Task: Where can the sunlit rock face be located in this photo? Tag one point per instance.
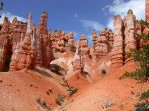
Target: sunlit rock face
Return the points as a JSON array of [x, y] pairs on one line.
[[22, 56], [44, 37], [62, 42], [85, 50], [130, 38], [118, 51], [147, 10], [6, 30], [28, 46], [103, 44], [146, 29], [110, 40], [77, 61], [25, 45]]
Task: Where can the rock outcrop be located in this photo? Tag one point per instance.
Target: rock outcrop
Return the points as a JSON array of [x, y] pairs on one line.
[[103, 44], [85, 51], [110, 40], [25, 45], [130, 39], [77, 61], [44, 37], [117, 53], [100, 45], [70, 45], [28, 46], [24, 53], [147, 10], [4, 43]]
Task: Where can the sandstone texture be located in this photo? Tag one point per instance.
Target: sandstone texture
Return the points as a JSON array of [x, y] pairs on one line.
[[118, 48], [130, 37]]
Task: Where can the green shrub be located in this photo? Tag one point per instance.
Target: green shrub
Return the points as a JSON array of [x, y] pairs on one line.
[[144, 106], [69, 88], [73, 91], [43, 104], [56, 69], [103, 71], [60, 99], [137, 75], [145, 95]]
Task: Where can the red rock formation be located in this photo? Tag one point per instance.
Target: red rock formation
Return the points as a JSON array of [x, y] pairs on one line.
[[146, 29], [103, 45], [92, 49], [23, 55], [147, 10], [77, 63], [110, 39], [70, 42], [94, 37], [139, 30], [117, 51], [4, 42], [100, 45], [42, 33], [85, 51], [42, 46], [130, 40]]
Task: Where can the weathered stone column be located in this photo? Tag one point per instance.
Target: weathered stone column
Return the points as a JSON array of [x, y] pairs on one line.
[[42, 33], [25, 50], [147, 10], [118, 51], [130, 40]]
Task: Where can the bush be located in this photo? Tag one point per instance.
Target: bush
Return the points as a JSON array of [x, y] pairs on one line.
[[144, 106], [43, 104], [56, 69], [103, 71], [145, 95], [69, 88], [73, 91], [137, 75], [60, 99]]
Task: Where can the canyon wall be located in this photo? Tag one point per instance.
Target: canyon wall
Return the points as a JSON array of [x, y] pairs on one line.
[[23, 45]]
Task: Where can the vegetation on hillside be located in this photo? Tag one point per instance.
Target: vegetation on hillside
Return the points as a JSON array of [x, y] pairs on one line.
[[141, 56]]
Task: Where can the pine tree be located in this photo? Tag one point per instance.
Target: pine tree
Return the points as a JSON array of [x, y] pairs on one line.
[[141, 56]]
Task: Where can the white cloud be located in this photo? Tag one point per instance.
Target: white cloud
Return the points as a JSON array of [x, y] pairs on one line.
[[89, 24], [10, 17], [121, 7]]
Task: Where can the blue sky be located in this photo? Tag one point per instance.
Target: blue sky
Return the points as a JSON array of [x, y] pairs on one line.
[[79, 16]]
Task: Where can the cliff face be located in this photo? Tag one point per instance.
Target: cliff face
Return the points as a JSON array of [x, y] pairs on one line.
[[44, 39], [24, 52], [28, 46], [130, 34], [147, 10], [118, 51]]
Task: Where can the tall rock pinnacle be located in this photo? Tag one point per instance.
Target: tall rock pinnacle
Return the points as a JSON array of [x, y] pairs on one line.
[[117, 51], [130, 40], [147, 10], [42, 33]]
